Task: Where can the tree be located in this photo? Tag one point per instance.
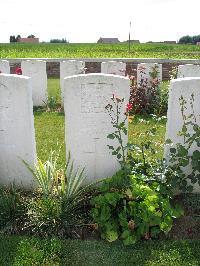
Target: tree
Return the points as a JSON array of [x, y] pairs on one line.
[[58, 40], [190, 39], [185, 39], [18, 38], [31, 36], [12, 38]]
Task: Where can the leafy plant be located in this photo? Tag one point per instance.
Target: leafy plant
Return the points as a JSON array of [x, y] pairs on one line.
[[135, 202], [59, 203], [132, 210], [118, 121]]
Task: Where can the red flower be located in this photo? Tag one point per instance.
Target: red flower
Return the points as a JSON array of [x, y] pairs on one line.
[[129, 106], [18, 71]]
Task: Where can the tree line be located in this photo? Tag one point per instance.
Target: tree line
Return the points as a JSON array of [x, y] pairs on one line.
[[189, 39]]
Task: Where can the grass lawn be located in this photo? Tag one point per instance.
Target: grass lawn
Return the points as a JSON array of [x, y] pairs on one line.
[[94, 50], [19, 251]]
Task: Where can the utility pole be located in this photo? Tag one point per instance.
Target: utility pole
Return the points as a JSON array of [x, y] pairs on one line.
[[129, 39]]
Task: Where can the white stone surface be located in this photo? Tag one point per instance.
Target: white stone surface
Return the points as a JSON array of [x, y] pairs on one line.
[[36, 69], [17, 137], [4, 67], [181, 87], [113, 67], [87, 124], [188, 70], [144, 70], [70, 68]]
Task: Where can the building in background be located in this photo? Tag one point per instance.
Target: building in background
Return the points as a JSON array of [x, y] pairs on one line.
[[28, 40], [108, 40]]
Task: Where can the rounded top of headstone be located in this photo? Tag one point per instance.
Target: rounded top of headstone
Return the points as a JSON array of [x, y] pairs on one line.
[[96, 76], [4, 61], [187, 79], [13, 76]]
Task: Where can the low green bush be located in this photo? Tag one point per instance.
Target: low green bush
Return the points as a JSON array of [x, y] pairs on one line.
[[129, 208]]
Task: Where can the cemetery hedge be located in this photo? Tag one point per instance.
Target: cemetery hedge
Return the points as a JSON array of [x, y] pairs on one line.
[[94, 50]]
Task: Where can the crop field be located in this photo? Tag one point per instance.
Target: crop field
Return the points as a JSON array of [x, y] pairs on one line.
[[94, 50]]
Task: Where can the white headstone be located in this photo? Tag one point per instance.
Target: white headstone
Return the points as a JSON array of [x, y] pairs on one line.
[[188, 70], [17, 137], [36, 69], [144, 71], [4, 67], [114, 68], [70, 68], [184, 87], [87, 124]]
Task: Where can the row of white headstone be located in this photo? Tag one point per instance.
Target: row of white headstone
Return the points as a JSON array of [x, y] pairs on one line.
[[36, 69], [86, 122]]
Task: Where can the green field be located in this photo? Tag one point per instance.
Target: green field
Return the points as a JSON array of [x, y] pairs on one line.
[[93, 50]]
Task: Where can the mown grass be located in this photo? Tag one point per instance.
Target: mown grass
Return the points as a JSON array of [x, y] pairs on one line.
[[19, 251], [94, 50], [54, 89]]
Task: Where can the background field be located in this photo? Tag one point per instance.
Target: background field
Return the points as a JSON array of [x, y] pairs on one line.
[[93, 50]]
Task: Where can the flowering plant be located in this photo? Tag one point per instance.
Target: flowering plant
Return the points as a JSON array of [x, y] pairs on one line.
[[119, 125], [18, 71], [130, 206]]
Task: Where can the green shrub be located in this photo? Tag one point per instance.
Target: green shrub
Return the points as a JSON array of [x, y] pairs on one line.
[[131, 209]]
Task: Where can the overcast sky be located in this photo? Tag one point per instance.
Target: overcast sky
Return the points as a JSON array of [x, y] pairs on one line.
[[87, 20]]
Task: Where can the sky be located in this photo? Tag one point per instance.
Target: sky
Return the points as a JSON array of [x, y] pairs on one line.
[[88, 20]]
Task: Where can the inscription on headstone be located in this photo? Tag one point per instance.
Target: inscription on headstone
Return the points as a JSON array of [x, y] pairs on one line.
[[87, 123]]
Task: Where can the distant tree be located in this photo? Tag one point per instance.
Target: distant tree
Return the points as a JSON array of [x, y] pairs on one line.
[[189, 39], [18, 38], [185, 39], [196, 39], [12, 38], [58, 40], [31, 36]]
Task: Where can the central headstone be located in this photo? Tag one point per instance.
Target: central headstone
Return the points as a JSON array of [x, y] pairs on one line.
[[114, 68], [36, 69], [87, 123], [17, 135]]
